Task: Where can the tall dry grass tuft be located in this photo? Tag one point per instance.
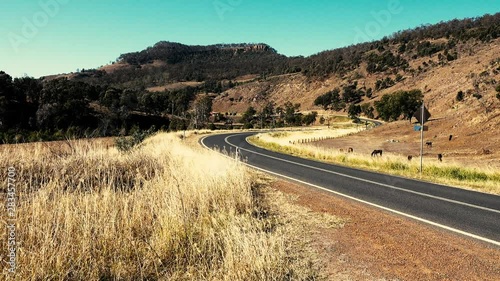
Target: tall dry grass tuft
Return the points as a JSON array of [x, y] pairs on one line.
[[161, 212]]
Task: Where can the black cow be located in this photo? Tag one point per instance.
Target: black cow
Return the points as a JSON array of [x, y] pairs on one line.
[[429, 143], [440, 157], [377, 152]]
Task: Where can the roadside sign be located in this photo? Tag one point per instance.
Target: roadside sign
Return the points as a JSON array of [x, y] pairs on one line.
[[418, 114], [417, 128], [422, 116]]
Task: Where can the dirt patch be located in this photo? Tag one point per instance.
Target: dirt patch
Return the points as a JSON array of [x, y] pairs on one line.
[[377, 245], [466, 148], [174, 86]]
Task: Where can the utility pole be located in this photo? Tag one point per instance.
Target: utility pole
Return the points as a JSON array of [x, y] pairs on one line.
[[422, 138]]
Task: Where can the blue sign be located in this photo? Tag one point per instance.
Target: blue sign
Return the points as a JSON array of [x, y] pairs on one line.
[[417, 128]]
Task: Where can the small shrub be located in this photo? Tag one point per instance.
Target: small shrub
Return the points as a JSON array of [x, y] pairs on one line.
[[477, 95], [460, 96], [397, 166], [125, 144], [369, 93], [58, 135], [484, 74], [497, 88], [248, 125], [279, 134], [457, 173], [498, 96], [399, 77]]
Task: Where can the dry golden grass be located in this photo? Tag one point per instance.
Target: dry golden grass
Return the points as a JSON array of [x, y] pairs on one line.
[[483, 179], [288, 137], [161, 212], [174, 86]]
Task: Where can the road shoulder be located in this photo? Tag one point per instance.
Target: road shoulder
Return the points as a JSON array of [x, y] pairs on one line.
[[377, 245]]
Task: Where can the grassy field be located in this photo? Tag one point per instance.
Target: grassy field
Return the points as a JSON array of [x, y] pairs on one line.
[[163, 211], [481, 178]]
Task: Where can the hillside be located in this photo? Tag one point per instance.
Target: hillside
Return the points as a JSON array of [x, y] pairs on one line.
[[475, 119], [176, 86]]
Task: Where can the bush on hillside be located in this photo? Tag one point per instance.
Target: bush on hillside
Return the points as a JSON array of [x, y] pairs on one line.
[[126, 143]]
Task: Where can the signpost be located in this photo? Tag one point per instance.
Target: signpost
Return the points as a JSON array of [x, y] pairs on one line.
[[417, 128], [422, 116]]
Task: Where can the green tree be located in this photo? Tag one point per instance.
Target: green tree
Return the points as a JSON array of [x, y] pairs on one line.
[[353, 111], [248, 115], [202, 108], [62, 104], [11, 102], [367, 110], [330, 100], [111, 98], [291, 113], [401, 103], [268, 109], [310, 118], [410, 101], [351, 94]]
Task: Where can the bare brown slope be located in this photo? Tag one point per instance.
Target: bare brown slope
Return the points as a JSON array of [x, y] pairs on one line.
[[474, 122]]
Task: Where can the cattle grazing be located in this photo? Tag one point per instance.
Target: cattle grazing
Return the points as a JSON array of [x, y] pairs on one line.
[[341, 150], [440, 157], [349, 150], [451, 136], [410, 157], [486, 151], [377, 152], [429, 143]]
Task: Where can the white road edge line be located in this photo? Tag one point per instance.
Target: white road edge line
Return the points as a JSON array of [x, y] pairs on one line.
[[497, 243], [372, 182], [484, 239]]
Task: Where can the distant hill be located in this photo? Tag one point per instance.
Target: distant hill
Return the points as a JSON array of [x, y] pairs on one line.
[[166, 79], [170, 62]]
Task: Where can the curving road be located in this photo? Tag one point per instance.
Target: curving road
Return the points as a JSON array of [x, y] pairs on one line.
[[468, 213]]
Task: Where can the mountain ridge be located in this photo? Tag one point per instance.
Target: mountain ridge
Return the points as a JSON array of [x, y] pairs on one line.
[[168, 78]]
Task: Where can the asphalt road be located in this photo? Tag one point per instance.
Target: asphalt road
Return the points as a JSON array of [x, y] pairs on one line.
[[468, 213]]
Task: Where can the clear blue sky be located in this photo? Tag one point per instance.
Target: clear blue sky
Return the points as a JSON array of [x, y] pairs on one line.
[[42, 37]]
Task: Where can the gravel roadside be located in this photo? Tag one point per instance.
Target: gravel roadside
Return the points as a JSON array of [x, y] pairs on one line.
[[377, 245]]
